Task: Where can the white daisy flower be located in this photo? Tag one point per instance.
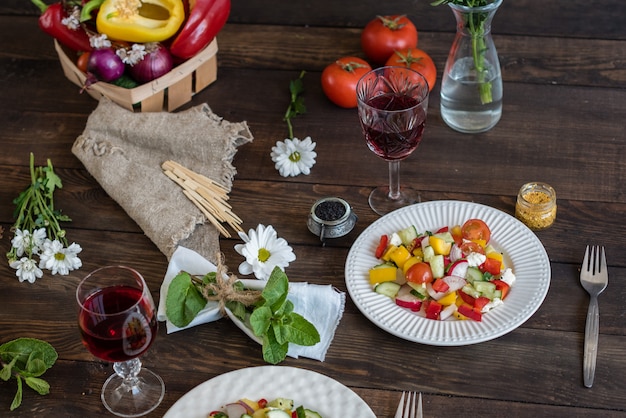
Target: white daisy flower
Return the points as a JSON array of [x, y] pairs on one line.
[[27, 270], [263, 251], [58, 259], [293, 156]]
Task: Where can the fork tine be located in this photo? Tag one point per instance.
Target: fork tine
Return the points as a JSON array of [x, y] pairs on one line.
[[586, 259], [419, 406], [603, 261]]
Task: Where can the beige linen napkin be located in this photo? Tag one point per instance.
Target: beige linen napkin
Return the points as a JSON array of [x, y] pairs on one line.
[[322, 305], [124, 151]]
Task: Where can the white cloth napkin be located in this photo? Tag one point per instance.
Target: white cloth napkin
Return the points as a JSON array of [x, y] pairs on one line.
[[322, 305]]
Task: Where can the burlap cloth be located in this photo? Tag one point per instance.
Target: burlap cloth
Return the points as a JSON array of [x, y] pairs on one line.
[[124, 151]]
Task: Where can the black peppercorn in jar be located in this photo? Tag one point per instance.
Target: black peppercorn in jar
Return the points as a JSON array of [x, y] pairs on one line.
[[536, 205], [331, 217]]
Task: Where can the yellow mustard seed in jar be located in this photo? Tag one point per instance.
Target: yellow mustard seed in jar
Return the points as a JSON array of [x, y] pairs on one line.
[[536, 205]]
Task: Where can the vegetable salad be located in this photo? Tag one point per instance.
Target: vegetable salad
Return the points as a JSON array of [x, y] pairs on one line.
[[277, 408], [454, 272]]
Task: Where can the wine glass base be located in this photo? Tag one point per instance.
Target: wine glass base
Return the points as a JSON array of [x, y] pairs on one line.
[[382, 203], [135, 400]]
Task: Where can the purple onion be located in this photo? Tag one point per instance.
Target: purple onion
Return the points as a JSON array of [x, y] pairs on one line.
[[155, 64], [105, 65]]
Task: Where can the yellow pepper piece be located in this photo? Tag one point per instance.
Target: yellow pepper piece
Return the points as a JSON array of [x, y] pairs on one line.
[[252, 404], [383, 274], [418, 252], [400, 256], [387, 255], [448, 299], [480, 242], [439, 245], [459, 316], [140, 21]]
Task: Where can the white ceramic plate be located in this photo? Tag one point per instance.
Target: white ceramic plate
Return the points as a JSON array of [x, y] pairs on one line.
[[313, 390], [523, 251]]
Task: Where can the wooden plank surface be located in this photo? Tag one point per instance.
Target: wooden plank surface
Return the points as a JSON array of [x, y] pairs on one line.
[[565, 91]]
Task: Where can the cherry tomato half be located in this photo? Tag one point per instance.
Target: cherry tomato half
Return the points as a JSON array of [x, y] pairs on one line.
[[82, 61], [471, 247], [419, 273], [339, 80], [385, 34], [417, 60], [476, 229]]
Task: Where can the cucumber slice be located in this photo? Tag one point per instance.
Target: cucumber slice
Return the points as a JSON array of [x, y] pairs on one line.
[[407, 235], [276, 413], [437, 266], [486, 289], [389, 289], [446, 236], [311, 414], [282, 403], [429, 253], [473, 274]]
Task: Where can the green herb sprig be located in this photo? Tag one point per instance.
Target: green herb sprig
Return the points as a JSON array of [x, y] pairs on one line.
[[35, 206], [269, 313], [296, 105], [476, 27], [26, 359]]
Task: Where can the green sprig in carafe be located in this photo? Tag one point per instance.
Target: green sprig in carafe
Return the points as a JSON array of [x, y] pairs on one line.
[[471, 87]]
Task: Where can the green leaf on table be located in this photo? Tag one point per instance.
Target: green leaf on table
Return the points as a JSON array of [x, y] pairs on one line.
[[300, 331], [38, 385], [26, 359], [260, 320], [184, 301]]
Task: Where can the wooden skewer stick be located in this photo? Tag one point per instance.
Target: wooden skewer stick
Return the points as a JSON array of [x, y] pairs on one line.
[[209, 196]]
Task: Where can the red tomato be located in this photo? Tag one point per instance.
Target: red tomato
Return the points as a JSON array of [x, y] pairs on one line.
[[385, 34], [82, 61], [440, 286], [262, 403], [417, 60], [471, 247], [419, 273], [339, 80], [476, 229]]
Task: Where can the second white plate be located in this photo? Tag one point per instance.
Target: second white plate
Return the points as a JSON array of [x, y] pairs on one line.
[[524, 254]]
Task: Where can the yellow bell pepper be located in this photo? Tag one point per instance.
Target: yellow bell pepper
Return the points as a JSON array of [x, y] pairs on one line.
[[400, 256], [448, 299], [140, 21], [383, 273], [439, 245]]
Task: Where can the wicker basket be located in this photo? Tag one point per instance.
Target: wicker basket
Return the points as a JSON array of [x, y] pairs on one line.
[[168, 92]]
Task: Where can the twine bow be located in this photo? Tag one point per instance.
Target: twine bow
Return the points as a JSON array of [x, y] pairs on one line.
[[224, 290]]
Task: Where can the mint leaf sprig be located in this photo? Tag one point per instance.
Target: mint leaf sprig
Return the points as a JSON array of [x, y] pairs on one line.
[[476, 27], [268, 313], [26, 359]]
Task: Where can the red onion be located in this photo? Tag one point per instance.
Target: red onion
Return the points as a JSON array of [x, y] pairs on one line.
[[105, 65], [156, 63]]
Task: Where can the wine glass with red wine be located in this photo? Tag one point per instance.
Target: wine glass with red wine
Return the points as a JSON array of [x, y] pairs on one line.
[[117, 321], [392, 105]]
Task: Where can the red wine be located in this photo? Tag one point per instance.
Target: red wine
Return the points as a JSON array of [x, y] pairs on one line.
[[396, 135], [117, 324]]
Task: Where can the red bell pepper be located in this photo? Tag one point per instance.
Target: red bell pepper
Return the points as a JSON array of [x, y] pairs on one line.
[[206, 19], [503, 287], [51, 22], [382, 246], [470, 312], [433, 309], [491, 265]]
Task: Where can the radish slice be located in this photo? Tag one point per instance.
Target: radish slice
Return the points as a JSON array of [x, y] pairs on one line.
[[433, 293], [454, 282], [406, 299], [447, 312], [235, 409], [459, 268]]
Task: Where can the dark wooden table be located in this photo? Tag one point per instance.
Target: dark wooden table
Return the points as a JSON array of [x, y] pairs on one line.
[[563, 123]]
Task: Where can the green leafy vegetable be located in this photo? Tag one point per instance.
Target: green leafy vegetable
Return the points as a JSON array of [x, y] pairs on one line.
[[26, 359], [273, 319], [269, 314], [296, 105]]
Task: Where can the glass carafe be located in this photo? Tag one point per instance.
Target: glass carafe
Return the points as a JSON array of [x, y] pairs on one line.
[[471, 88]]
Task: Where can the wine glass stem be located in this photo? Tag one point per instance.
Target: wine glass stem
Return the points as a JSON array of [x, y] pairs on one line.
[[128, 371], [394, 180]]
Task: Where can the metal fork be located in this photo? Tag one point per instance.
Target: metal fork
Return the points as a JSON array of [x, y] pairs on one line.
[[412, 409], [594, 278]]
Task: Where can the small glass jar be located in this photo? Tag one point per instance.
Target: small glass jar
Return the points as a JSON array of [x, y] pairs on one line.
[[536, 205], [331, 217]]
